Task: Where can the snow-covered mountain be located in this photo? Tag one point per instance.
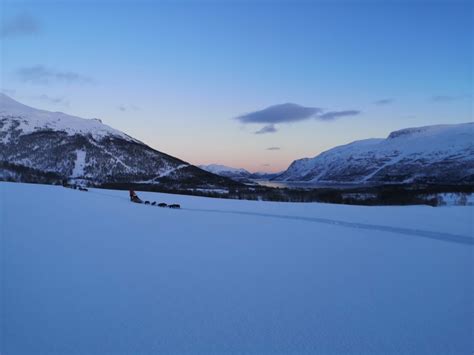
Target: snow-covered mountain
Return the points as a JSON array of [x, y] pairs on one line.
[[436, 154], [226, 171], [237, 174], [264, 176], [40, 143]]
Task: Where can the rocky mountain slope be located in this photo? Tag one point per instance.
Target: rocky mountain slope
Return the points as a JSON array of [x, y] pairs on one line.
[[431, 154], [40, 145]]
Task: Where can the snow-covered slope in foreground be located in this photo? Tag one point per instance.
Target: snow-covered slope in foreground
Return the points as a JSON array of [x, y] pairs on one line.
[[440, 154], [92, 273]]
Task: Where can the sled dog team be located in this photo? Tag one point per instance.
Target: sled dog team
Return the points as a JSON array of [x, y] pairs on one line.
[[136, 199]]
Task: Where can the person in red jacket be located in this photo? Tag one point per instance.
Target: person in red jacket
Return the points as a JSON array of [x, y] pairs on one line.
[[134, 197]]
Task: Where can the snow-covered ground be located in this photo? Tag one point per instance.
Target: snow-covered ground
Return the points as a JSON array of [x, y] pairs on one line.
[[92, 273]]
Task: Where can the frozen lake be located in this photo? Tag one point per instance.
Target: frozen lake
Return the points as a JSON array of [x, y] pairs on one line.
[[307, 185]]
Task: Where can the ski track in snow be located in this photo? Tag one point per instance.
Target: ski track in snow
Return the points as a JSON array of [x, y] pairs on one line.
[[455, 238], [83, 273], [446, 237]]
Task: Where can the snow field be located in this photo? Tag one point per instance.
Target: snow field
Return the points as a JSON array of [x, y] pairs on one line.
[[92, 273]]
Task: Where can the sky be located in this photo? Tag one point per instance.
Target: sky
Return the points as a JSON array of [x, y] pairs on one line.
[[248, 84]]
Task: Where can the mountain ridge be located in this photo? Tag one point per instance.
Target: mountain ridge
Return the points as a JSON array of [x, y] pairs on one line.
[[438, 153], [75, 148]]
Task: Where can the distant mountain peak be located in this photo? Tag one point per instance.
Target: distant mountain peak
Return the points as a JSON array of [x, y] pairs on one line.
[[219, 169], [31, 119], [237, 174]]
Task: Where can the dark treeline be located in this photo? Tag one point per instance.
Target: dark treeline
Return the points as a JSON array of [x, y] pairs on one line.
[[19, 173], [414, 194], [369, 196]]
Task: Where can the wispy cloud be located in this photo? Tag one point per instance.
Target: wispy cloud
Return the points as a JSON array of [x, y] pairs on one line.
[[273, 148], [9, 92], [39, 74], [283, 113], [332, 115], [382, 102], [52, 100], [448, 98], [124, 108], [20, 25], [267, 129]]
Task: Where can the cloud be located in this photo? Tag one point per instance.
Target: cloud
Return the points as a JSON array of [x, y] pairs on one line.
[[39, 74], [9, 92], [382, 102], [52, 100], [124, 108], [20, 25], [289, 113], [282, 113], [443, 98], [332, 115], [273, 148], [267, 129], [448, 98]]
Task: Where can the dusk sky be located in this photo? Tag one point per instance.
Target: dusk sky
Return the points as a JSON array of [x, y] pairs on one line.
[[251, 84]]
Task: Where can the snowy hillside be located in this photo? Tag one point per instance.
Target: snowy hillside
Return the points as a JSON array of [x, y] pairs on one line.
[[52, 145], [440, 154], [92, 273]]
